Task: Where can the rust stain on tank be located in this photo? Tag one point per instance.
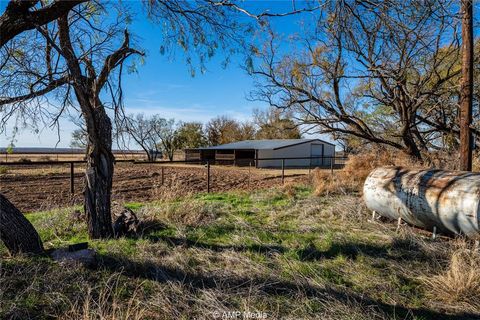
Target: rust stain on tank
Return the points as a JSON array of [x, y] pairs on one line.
[[447, 200]]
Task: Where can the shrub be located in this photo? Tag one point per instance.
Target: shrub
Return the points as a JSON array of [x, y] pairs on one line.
[[3, 169]]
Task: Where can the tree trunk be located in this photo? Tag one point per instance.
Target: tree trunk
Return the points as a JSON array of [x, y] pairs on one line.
[[16, 232], [411, 147], [99, 175]]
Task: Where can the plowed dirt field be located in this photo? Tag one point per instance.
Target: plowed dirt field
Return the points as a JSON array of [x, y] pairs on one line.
[[33, 188]]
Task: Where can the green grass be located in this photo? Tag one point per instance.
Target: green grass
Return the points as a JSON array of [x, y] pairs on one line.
[[289, 255]]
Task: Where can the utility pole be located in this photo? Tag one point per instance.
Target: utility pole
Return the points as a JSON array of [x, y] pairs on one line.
[[466, 93]]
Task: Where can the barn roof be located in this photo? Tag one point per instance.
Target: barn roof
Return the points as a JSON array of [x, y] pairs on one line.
[[262, 144]]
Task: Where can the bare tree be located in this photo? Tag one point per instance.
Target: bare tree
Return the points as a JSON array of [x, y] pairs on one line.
[[141, 130], [80, 64], [66, 64], [368, 71], [79, 139], [16, 232], [165, 133], [87, 87]]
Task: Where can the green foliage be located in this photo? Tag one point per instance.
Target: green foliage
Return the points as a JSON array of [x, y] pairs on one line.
[[275, 124], [190, 135]]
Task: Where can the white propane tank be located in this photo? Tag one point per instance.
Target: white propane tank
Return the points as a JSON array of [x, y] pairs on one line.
[[447, 200]]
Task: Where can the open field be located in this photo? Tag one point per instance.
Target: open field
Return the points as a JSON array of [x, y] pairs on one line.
[[19, 157], [280, 252], [34, 188]]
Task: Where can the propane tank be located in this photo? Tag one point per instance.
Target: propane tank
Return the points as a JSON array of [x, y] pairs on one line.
[[447, 200]]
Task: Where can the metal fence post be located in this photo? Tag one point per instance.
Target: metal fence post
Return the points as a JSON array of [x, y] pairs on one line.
[[249, 173], [208, 177], [283, 171], [72, 176], [331, 164], [163, 175]]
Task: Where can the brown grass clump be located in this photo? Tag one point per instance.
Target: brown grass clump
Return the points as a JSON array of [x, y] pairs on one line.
[[106, 302], [459, 284], [289, 189], [171, 189], [356, 170]]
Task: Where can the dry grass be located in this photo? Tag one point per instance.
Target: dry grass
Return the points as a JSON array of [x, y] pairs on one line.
[[280, 251], [171, 188], [189, 213], [458, 285], [357, 168], [106, 301]]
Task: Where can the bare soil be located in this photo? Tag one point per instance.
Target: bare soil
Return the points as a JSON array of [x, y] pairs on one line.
[[34, 188]]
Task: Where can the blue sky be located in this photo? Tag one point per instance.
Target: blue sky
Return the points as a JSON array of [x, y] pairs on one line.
[[164, 85]]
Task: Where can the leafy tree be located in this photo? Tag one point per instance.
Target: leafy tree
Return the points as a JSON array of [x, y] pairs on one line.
[[20, 16], [273, 124], [190, 135], [247, 131], [222, 129]]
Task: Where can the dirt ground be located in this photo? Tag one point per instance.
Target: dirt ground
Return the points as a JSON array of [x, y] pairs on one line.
[[34, 188]]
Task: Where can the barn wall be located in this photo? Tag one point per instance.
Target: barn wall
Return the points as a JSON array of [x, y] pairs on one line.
[[329, 151], [265, 153], [301, 150]]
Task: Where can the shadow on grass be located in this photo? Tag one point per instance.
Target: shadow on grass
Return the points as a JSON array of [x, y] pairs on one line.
[[399, 251], [175, 241], [269, 285]]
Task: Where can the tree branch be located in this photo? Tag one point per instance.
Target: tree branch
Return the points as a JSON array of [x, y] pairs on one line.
[[18, 17]]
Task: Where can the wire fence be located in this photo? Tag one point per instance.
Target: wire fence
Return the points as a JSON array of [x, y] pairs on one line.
[[281, 164]]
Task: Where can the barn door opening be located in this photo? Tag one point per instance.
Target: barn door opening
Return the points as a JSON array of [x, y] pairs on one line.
[[316, 151]]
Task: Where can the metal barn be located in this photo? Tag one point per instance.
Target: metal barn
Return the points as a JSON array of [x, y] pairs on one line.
[[267, 153]]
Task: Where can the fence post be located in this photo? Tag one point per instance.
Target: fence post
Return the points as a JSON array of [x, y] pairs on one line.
[[249, 173], [208, 176], [283, 171], [331, 164], [163, 175], [72, 176]]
